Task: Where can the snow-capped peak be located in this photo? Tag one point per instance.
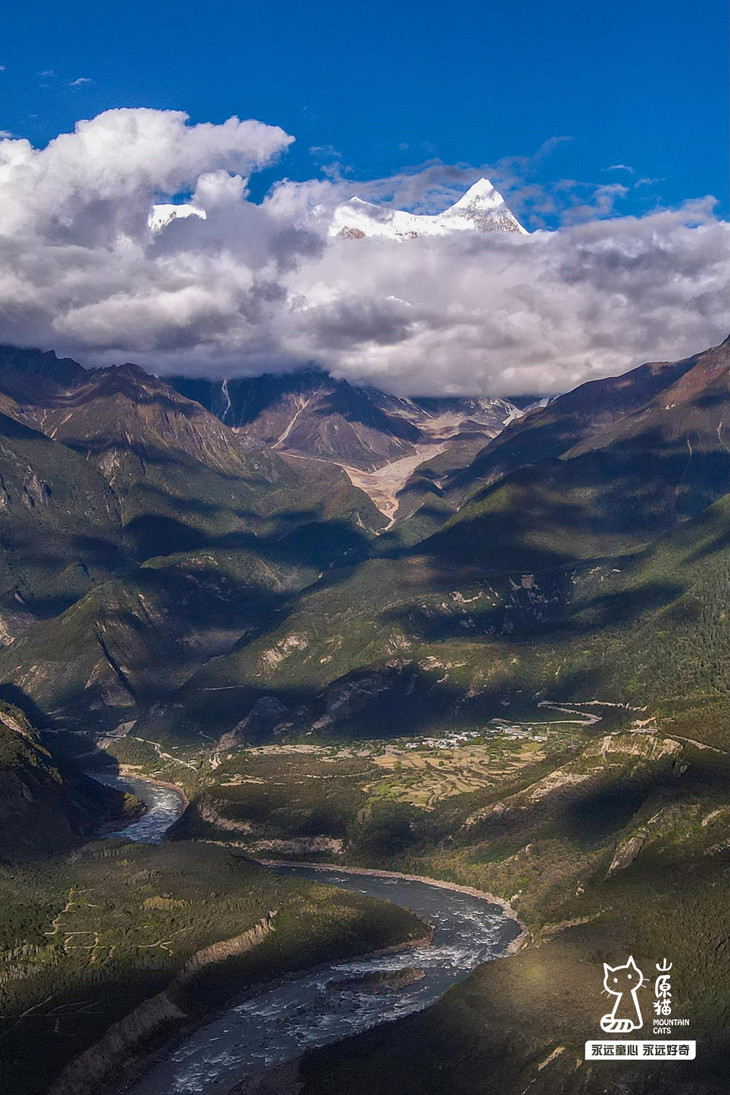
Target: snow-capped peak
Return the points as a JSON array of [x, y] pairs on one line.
[[482, 193], [482, 208], [165, 214]]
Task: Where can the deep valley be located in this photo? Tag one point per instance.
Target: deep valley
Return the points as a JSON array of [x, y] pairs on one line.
[[479, 641]]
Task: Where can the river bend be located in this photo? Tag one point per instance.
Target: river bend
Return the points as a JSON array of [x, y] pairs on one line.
[[317, 1007]]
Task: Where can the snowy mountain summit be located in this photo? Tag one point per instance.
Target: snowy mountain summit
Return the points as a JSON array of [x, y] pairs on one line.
[[481, 209]]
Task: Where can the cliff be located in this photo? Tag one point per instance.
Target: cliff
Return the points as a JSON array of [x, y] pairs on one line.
[[98, 1064], [44, 808]]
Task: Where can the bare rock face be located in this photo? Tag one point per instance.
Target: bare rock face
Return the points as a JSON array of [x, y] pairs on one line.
[[307, 413], [345, 697], [264, 717], [626, 853], [273, 657]]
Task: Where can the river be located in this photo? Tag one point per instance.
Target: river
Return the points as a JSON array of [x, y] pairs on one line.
[[321, 1006], [163, 807]]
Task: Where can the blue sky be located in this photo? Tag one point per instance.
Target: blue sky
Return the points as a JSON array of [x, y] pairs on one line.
[[603, 124], [378, 88]]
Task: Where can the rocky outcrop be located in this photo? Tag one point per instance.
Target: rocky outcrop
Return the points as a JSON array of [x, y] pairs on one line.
[[265, 716], [350, 694], [273, 657], [299, 845], [377, 981], [95, 1066], [626, 853], [227, 948], [644, 746], [227, 824]]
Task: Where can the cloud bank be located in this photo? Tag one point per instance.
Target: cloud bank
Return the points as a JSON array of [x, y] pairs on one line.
[[242, 287]]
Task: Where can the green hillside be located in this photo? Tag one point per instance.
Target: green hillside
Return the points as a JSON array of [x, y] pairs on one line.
[[124, 901], [522, 686]]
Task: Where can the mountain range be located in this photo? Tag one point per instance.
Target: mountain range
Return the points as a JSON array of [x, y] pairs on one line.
[[481, 209], [482, 641], [377, 439], [184, 555]]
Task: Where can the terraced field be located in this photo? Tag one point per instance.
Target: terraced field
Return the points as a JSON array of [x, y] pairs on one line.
[[316, 797], [425, 775]]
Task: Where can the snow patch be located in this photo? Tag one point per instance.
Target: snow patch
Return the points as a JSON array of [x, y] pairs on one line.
[[165, 214]]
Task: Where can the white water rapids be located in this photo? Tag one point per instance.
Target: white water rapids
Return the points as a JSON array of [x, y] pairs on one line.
[[311, 1009]]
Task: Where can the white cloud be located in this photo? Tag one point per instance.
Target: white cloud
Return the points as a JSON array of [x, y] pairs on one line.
[[500, 313], [80, 80], [249, 286]]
